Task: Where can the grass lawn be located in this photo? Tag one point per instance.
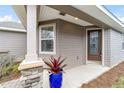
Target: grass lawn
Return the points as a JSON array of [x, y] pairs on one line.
[[119, 83]]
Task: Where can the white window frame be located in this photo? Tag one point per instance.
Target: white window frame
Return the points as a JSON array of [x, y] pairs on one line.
[[54, 40], [122, 35]]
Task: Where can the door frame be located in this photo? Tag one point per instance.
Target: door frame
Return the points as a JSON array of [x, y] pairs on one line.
[[87, 29]]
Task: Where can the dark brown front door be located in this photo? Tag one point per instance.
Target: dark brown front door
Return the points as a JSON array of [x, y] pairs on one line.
[[94, 45]]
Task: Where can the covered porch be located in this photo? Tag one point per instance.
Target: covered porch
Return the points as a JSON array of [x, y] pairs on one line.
[[33, 17], [32, 66]]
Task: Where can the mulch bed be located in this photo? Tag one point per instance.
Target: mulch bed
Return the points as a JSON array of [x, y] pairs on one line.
[[12, 76], [107, 79]]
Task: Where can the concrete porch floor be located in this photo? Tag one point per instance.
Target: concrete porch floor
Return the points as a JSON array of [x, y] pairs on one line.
[[73, 78]]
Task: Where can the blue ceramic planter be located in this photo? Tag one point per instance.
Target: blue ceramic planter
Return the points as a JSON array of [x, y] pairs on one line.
[[56, 80]]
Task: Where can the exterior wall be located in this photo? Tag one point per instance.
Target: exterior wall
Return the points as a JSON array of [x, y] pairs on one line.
[[117, 54], [14, 42], [113, 53], [71, 43], [107, 50]]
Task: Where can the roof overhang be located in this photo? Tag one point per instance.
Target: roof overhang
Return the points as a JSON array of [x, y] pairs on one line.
[[103, 15], [96, 15], [12, 29], [20, 10]]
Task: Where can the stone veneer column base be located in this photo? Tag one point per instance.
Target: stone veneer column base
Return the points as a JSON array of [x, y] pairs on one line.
[[32, 74]]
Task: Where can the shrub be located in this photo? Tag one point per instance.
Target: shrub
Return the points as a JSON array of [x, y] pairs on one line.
[[15, 68], [6, 70], [9, 69]]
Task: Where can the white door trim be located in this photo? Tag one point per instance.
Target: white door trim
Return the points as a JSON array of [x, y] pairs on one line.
[[102, 43]]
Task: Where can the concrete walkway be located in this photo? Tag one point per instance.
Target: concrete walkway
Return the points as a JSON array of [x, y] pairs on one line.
[[73, 77], [11, 84]]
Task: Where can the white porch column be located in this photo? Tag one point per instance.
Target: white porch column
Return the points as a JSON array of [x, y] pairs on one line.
[[31, 33], [31, 68]]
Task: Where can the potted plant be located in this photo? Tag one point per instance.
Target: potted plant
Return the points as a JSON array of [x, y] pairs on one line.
[[55, 69]]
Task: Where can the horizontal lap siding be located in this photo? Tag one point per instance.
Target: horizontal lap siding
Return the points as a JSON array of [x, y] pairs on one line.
[[71, 42], [117, 55], [14, 42]]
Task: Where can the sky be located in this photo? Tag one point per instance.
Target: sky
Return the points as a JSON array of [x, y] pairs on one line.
[[7, 13], [117, 10]]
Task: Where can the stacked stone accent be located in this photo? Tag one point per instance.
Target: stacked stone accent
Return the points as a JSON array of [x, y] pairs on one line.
[[32, 77]]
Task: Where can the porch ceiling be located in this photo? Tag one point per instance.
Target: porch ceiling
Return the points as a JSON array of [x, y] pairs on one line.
[[21, 13], [74, 11], [47, 13], [96, 15]]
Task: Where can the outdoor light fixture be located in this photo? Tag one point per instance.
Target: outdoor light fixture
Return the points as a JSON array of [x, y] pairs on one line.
[[63, 14], [76, 18]]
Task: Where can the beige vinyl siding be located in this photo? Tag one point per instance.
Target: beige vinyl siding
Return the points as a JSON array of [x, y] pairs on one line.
[[14, 42], [71, 42]]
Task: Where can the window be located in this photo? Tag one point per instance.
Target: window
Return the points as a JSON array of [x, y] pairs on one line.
[[123, 41], [47, 37], [93, 42]]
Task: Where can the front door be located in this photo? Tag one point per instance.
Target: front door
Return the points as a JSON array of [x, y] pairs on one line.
[[94, 45]]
